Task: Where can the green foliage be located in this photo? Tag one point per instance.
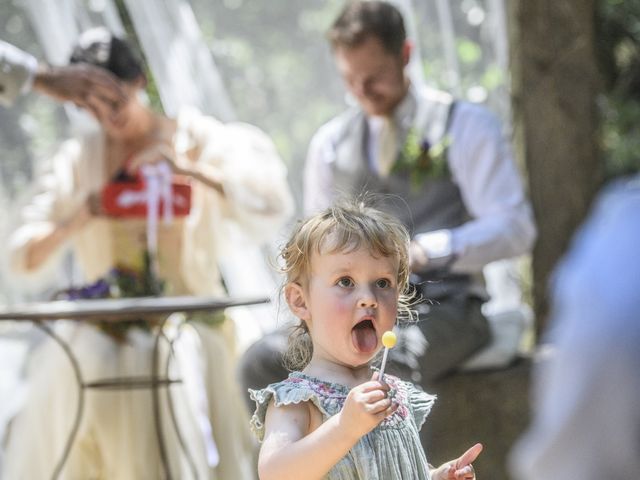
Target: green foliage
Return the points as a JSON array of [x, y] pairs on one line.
[[469, 52], [621, 135], [151, 87], [618, 49]]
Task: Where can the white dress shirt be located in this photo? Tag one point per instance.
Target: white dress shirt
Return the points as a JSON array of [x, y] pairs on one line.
[[481, 164]]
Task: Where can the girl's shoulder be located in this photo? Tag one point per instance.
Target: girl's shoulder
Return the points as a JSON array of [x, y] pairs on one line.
[[327, 397]]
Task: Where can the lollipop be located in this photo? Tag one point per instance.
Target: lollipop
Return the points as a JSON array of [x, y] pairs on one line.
[[389, 341]]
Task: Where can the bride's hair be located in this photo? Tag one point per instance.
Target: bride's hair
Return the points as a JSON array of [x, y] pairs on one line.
[[101, 48]]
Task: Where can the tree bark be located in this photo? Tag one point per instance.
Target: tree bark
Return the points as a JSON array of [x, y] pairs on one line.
[[554, 90], [490, 407]]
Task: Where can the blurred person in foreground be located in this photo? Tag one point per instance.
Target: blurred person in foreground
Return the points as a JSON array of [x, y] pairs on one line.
[[443, 168], [586, 392], [225, 176]]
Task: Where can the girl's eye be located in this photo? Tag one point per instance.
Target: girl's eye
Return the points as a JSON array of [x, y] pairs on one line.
[[383, 283], [345, 282]]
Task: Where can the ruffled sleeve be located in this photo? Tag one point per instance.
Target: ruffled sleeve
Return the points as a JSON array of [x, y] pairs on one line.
[[254, 177], [282, 393], [420, 403]]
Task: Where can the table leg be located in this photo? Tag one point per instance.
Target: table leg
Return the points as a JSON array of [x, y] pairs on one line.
[[81, 386], [155, 395], [172, 412]]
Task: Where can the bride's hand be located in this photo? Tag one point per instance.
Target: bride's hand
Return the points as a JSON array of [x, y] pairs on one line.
[[156, 153], [163, 152]]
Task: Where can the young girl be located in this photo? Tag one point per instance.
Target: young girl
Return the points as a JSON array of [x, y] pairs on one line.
[[346, 280]]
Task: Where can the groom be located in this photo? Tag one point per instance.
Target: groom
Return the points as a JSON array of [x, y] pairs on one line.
[[439, 164]]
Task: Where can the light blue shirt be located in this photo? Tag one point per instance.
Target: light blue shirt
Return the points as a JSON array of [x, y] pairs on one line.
[[587, 395]]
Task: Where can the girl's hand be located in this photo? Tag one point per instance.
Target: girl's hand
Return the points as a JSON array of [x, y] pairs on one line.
[[366, 406], [460, 468]]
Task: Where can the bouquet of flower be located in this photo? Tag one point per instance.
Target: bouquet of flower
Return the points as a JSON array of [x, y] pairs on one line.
[[120, 282]]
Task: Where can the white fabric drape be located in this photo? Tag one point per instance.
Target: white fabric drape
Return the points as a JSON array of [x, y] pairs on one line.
[[58, 24], [181, 62], [415, 69]]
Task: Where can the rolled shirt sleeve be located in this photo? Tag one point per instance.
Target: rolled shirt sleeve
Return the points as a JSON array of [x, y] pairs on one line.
[[17, 71]]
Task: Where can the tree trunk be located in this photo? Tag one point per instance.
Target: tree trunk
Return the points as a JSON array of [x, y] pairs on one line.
[[489, 407], [554, 86]]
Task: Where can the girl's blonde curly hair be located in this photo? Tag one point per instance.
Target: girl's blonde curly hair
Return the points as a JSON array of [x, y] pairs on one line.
[[351, 225]]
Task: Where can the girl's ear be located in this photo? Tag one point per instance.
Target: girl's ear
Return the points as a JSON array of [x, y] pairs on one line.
[[294, 294]]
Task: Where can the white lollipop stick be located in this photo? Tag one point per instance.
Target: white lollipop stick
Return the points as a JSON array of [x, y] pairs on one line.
[[389, 341]]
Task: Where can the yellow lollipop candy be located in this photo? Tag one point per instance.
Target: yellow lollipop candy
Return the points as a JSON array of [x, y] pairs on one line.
[[389, 339]]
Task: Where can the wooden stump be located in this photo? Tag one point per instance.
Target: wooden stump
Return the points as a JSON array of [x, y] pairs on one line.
[[491, 407]]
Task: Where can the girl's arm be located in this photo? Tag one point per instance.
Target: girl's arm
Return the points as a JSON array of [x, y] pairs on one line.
[[291, 451]]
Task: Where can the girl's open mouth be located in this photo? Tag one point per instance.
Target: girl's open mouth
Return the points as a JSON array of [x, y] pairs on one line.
[[364, 336]]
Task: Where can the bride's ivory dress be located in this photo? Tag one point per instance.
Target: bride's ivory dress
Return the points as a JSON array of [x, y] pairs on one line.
[[117, 436]]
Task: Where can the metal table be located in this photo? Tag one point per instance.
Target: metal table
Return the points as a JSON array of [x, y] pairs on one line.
[[120, 310]]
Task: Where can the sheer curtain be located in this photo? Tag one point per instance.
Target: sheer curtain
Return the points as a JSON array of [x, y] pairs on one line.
[[202, 70], [181, 62], [186, 74], [58, 24]]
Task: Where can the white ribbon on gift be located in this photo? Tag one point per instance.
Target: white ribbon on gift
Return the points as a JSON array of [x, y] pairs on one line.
[[157, 186], [157, 182]]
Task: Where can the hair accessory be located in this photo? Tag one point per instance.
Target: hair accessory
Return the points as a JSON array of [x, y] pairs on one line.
[[97, 43]]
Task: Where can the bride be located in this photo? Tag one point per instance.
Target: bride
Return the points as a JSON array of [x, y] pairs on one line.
[[235, 180]]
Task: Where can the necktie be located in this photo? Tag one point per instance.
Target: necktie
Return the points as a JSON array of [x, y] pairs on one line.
[[387, 147]]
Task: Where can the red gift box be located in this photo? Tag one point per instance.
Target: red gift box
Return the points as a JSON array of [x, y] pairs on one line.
[[128, 198]]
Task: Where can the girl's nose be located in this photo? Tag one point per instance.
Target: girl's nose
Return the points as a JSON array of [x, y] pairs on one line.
[[368, 300]]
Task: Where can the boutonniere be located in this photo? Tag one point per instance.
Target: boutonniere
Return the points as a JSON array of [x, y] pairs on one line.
[[421, 159]]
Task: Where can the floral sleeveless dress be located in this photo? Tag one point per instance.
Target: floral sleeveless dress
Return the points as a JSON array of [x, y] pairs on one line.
[[391, 451]]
